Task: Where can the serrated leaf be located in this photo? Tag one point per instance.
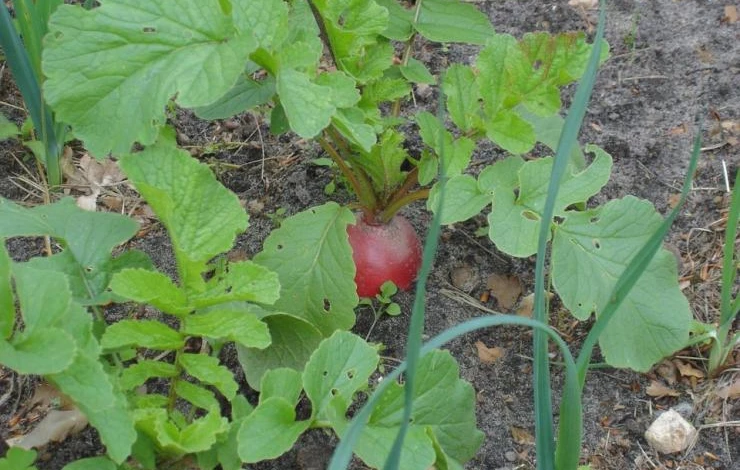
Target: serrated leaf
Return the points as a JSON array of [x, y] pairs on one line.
[[243, 281], [198, 436], [7, 304], [339, 367], [452, 21], [143, 54], [560, 58], [416, 72], [137, 374], [88, 239], [184, 194], [304, 102], [382, 90], [269, 431], [284, 383], [457, 152], [462, 97], [400, 20], [196, 395], [463, 199], [151, 287], [514, 220], [350, 123], [452, 426], [92, 463], [293, 342], [142, 334], [228, 325], [87, 384], [511, 132], [208, 370], [30, 354], [383, 163], [310, 252], [243, 96], [590, 251]]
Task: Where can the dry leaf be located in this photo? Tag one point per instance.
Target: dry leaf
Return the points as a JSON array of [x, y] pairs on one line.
[[526, 306], [730, 392], [506, 289], [730, 14], [521, 436], [673, 200], [658, 390], [668, 371], [583, 3], [687, 370], [55, 427], [489, 355]]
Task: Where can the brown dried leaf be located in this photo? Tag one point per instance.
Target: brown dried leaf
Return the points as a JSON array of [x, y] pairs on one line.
[[55, 427], [521, 436], [506, 289], [526, 306], [658, 390], [687, 370], [730, 14], [668, 371], [730, 392], [489, 355], [673, 200]]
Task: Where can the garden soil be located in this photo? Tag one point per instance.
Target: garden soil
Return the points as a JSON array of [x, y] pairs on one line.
[[671, 61]]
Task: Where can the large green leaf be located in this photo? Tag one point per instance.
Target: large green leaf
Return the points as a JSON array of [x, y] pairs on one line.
[[462, 97], [590, 251], [244, 328], [116, 66], [243, 96], [463, 199], [141, 333], [136, 374], [515, 219], [293, 340], [208, 370], [452, 21], [202, 217], [339, 368], [88, 239], [242, 281], [443, 417], [29, 354], [151, 287], [269, 431], [311, 254]]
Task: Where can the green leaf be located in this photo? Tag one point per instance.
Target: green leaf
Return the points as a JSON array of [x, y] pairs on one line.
[[514, 221], [267, 20], [547, 130], [18, 459], [87, 384], [462, 97], [197, 395], [44, 298], [241, 327], [338, 369], [284, 383], [92, 463], [305, 104], [343, 92], [243, 96], [208, 370], [590, 250], [30, 354], [137, 374], [269, 431], [198, 436], [310, 252], [151, 287], [7, 304], [400, 21], [350, 122], [141, 333], [456, 151], [451, 427], [453, 21], [7, 128], [87, 237], [383, 163], [201, 216], [143, 54], [293, 342], [561, 58], [242, 281], [463, 199], [416, 72], [511, 132]]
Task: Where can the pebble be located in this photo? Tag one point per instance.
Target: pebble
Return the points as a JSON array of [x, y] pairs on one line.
[[670, 433], [511, 456]]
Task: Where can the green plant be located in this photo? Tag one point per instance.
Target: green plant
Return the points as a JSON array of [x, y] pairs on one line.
[[385, 304], [24, 58], [18, 459]]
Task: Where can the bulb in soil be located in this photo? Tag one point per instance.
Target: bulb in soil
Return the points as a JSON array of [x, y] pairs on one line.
[[384, 252]]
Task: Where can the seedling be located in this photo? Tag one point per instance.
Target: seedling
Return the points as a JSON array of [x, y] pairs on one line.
[[385, 304]]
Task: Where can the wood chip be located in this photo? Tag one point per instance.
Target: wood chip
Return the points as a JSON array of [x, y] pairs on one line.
[[489, 355], [521, 436], [730, 14]]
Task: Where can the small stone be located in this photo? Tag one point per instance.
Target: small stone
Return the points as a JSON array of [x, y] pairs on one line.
[[670, 433], [511, 456]]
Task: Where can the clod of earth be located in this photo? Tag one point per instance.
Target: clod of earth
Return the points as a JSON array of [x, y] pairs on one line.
[[384, 252]]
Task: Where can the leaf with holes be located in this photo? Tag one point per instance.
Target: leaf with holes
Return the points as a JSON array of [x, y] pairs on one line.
[[311, 254], [590, 251]]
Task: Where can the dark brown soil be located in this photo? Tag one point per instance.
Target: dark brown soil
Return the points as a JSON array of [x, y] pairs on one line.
[[671, 60]]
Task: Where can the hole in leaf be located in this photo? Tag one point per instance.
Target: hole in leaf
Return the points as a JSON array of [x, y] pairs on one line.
[[327, 305], [537, 64], [530, 215], [228, 289], [351, 374], [58, 35], [279, 247], [559, 220], [325, 373], [516, 193], [149, 29], [594, 220], [334, 392], [596, 243], [89, 269]]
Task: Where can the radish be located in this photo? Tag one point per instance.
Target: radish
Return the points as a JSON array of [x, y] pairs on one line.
[[384, 252]]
